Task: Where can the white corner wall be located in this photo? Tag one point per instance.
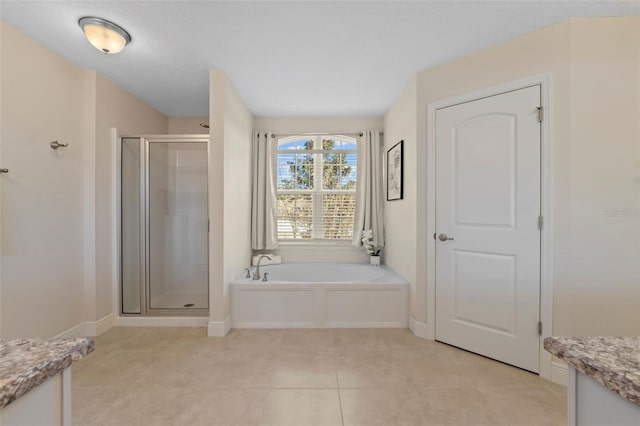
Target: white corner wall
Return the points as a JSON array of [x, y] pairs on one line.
[[400, 222], [41, 250], [594, 65], [599, 292], [543, 51], [114, 108], [56, 264], [187, 125], [229, 195]]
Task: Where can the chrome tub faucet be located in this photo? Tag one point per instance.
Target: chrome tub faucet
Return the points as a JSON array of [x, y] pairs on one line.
[[256, 275]]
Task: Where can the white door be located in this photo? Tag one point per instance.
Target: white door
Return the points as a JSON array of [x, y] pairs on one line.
[[488, 204]]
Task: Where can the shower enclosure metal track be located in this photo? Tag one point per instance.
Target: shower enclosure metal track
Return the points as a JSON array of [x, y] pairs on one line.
[[144, 230]]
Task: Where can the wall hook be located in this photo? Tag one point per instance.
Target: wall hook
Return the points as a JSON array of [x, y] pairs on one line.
[[56, 145]]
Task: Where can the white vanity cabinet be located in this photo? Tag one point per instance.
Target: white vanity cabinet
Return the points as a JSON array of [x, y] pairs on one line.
[[35, 380], [591, 404], [603, 384], [47, 404]]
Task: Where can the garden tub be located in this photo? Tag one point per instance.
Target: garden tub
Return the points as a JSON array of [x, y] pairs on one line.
[[321, 295]]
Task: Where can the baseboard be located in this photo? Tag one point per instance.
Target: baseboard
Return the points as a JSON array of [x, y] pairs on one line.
[[78, 330], [161, 321], [96, 328], [314, 325], [366, 325], [559, 373], [420, 329], [275, 325], [219, 328]]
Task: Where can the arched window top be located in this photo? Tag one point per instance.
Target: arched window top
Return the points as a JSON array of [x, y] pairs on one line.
[[325, 143], [338, 143], [295, 142]]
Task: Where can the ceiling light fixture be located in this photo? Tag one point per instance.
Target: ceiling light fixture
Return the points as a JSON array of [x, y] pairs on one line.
[[105, 36]]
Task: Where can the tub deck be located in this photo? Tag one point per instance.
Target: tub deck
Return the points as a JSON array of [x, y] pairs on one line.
[[353, 304]]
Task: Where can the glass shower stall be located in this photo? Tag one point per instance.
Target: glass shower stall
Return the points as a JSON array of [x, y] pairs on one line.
[[164, 225]]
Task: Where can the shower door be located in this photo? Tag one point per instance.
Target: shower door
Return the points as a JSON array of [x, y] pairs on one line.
[[165, 235]]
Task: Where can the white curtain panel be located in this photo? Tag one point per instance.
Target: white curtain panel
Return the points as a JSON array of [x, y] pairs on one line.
[[264, 234], [370, 201]]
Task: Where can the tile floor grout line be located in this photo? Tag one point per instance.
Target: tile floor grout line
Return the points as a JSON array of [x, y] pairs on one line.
[[340, 400], [264, 406], [347, 353], [414, 399]]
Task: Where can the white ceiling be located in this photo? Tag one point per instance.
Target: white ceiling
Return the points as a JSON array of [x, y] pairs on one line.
[[297, 58]]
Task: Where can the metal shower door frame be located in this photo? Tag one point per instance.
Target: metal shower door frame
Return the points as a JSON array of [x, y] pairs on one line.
[[145, 302]]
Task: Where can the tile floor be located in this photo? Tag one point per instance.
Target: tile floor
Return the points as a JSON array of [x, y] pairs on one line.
[[178, 376]]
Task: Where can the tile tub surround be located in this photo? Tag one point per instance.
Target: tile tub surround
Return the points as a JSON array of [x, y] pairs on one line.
[[180, 377], [27, 363], [612, 361]]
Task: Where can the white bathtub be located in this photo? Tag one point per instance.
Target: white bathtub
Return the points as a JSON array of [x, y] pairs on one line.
[[321, 295]]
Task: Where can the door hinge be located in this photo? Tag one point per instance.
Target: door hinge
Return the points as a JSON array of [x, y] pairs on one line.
[[539, 328], [208, 225], [540, 114], [540, 222]]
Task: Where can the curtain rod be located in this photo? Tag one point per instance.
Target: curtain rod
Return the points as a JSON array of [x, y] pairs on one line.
[[273, 135]]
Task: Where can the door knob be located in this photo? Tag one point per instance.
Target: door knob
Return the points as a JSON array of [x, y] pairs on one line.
[[4, 170], [443, 237]]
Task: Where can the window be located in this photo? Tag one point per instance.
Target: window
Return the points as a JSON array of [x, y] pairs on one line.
[[316, 187]]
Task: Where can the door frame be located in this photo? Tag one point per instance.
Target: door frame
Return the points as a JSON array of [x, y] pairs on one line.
[[546, 204]]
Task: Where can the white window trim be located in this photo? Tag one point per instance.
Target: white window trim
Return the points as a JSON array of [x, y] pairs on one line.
[[311, 243], [317, 218]]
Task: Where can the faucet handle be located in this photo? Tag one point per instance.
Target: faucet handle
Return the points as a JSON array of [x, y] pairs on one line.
[[264, 279], [248, 272]]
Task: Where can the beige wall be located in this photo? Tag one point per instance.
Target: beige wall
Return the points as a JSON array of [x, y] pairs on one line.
[[229, 190], [315, 252], [318, 124], [42, 258], [56, 269], [115, 108], [187, 125], [594, 112], [535, 53], [400, 123], [600, 293]]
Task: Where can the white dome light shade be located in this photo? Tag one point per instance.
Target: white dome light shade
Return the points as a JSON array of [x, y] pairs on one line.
[[105, 36]]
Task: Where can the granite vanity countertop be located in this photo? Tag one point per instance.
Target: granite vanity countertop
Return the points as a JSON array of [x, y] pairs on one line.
[[612, 361], [27, 363]]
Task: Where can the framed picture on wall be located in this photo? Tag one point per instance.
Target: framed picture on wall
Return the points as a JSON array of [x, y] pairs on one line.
[[395, 159]]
